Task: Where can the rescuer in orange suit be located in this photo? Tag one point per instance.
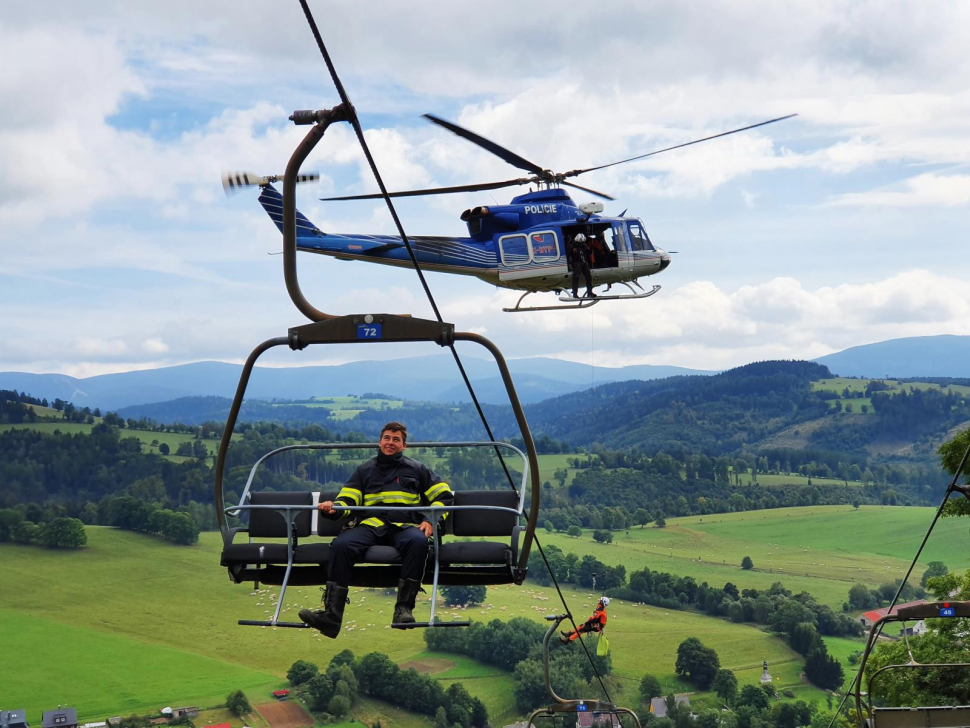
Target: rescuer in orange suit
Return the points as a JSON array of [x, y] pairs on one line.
[[596, 623]]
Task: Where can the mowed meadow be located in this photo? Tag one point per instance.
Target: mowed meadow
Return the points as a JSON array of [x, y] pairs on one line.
[[131, 623], [823, 550]]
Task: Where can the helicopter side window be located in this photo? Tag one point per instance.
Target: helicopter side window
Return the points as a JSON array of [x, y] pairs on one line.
[[619, 240], [545, 246], [514, 250], [638, 237]]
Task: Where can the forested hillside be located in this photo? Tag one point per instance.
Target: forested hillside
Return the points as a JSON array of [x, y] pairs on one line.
[[761, 408]]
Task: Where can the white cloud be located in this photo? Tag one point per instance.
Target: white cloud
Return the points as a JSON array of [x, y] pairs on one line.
[[93, 347], [924, 190], [120, 117], [155, 346]]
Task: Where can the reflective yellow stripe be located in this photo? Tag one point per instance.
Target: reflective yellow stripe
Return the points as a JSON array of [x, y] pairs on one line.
[[392, 496], [375, 522], [351, 494], [435, 490], [439, 503]]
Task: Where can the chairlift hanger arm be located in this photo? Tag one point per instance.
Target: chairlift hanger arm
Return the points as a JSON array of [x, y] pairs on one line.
[[321, 120]]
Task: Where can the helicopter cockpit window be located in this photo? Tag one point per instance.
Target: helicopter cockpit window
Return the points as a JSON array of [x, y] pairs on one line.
[[545, 246], [514, 250], [638, 237]]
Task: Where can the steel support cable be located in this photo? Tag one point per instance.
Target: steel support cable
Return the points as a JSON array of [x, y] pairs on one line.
[[358, 130], [857, 680]]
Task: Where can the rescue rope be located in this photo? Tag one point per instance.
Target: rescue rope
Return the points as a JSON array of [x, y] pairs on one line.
[[358, 130]]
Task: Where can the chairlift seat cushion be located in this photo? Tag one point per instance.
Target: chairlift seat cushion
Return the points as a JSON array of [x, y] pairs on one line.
[[475, 552], [254, 553], [381, 555], [267, 523], [484, 523]]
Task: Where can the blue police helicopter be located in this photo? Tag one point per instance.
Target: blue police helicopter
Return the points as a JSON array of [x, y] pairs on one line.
[[525, 245]]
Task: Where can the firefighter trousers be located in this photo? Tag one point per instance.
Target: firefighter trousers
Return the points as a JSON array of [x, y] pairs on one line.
[[351, 545]]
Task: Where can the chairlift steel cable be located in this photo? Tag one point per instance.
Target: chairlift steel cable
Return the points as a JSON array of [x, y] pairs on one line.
[[358, 130], [857, 680]]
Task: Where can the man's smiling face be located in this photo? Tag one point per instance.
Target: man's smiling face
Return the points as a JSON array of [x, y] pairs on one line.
[[392, 442]]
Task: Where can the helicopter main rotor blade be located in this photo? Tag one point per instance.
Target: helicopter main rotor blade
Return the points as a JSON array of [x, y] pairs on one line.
[[577, 172], [591, 191], [511, 157], [433, 191]]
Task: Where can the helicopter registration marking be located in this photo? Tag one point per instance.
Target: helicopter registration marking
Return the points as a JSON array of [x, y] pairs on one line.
[[536, 209]]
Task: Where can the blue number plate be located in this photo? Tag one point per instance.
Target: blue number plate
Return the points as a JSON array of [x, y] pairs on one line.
[[369, 331], [948, 612], [580, 708]]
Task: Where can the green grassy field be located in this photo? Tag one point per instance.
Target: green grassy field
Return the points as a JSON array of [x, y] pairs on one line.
[[147, 437], [130, 594], [839, 385], [775, 480], [68, 428], [823, 550], [841, 648], [346, 408], [48, 662]]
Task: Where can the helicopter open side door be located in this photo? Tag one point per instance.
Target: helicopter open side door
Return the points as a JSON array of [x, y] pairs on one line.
[[537, 255]]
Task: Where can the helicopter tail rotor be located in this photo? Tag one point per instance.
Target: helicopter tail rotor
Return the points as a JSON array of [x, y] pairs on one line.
[[235, 181]]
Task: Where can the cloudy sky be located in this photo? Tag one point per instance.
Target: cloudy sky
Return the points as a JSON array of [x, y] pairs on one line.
[[840, 227]]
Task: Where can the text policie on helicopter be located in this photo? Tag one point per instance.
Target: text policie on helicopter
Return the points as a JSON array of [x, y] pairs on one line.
[[524, 245]]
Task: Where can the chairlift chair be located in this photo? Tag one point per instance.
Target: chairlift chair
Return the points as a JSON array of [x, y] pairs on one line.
[[596, 710], [293, 516], [871, 715]]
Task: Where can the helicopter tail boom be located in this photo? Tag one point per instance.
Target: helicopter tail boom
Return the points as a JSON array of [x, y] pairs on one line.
[[272, 201]]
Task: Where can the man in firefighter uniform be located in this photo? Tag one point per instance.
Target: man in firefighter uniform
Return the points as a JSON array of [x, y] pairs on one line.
[[596, 623], [389, 479]]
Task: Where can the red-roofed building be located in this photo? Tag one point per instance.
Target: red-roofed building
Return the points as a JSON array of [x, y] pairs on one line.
[[218, 725], [280, 694], [870, 618]]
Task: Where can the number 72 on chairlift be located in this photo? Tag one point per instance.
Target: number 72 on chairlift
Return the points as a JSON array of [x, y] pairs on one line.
[[523, 245]]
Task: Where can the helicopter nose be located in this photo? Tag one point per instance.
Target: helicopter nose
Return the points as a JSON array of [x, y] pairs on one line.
[[664, 261]]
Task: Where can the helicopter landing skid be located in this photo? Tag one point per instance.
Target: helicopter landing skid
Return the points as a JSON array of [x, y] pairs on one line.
[[566, 298], [573, 303]]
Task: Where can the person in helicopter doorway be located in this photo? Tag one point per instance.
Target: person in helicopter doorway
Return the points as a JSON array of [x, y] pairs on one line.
[[596, 623], [598, 254], [389, 479], [579, 260]]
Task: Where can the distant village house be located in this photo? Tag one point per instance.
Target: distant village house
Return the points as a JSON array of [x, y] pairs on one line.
[[658, 706], [871, 617], [13, 719], [60, 718]]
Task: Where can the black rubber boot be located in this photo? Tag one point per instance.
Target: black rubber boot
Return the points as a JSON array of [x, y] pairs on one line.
[[407, 592], [590, 294], [328, 619]]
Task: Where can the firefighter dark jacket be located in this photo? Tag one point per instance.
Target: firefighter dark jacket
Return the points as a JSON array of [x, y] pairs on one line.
[[394, 480]]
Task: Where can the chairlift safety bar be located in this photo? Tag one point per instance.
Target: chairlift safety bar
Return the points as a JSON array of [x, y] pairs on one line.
[[362, 446]]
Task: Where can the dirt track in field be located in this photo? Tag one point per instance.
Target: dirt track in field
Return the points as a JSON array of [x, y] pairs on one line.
[[285, 714], [429, 665]]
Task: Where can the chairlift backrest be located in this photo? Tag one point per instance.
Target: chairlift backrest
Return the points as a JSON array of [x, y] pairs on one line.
[[483, 523], [268, 523], [328, 526]]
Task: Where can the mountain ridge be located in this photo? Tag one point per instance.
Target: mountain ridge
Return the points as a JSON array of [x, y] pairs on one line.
[[434, 379]]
